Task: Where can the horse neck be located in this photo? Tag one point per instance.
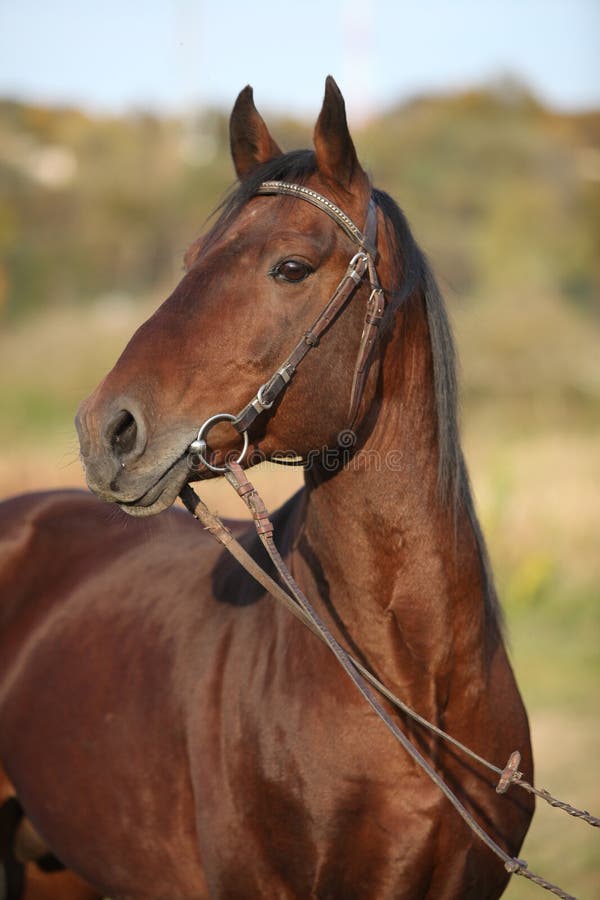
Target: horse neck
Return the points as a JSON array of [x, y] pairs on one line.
[[399, 569]]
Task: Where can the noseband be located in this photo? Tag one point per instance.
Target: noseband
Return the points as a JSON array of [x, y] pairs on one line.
[[361, 265]]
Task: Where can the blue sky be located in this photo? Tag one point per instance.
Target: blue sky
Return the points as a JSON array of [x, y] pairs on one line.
[[171, 55]]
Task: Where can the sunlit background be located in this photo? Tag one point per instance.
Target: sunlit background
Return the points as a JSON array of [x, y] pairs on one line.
[[483, 120]]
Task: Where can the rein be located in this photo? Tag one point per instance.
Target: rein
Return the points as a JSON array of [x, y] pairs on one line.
[[291, 595]]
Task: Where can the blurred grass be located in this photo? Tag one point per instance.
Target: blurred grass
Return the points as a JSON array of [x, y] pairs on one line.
[[537, 494], [531, 376]]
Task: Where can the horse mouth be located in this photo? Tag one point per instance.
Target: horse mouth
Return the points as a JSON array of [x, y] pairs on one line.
[[163, 492]]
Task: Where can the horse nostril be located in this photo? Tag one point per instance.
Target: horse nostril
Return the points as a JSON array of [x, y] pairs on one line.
[[124, 433]]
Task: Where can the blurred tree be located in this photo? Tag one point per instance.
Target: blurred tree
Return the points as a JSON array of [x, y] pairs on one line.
[[503, 191]]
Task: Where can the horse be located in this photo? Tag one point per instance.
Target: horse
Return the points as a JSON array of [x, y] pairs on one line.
[[28, 871], [171, 731]]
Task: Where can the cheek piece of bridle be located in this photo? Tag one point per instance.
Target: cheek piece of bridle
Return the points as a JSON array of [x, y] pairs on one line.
[[290, 594], [361, 266]]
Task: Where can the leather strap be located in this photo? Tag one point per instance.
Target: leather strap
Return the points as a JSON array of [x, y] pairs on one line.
[[373, 318]]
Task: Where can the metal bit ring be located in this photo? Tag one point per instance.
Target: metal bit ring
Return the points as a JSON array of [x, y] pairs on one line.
[[199, 446]]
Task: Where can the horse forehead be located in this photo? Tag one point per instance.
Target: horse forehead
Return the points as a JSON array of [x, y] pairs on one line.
[[264, 218], [243, 229]]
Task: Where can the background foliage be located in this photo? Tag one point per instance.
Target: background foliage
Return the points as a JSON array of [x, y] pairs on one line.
[[505, 191], [504, 195]]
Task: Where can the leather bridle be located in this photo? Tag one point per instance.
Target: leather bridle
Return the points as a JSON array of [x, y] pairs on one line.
[[361, 266]]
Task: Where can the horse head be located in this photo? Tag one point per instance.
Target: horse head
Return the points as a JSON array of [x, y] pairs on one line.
[[252, 285]]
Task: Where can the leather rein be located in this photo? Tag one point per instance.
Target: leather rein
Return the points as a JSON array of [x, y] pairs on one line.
[[361, 265]]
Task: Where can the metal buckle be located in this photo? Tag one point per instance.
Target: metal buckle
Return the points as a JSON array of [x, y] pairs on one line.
[[198, 447], [259, 396], [363, 257]]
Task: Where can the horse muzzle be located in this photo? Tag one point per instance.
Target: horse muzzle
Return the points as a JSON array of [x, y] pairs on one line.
[[120, 465]]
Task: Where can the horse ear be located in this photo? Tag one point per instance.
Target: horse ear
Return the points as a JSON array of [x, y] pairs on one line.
[[335, 153], [250, 141]]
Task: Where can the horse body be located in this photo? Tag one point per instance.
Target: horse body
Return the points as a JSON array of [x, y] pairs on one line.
[[197, 735], [28, 871], [235, 753], [76, 688]]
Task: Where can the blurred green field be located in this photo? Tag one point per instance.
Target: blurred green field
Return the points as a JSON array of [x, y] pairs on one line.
[[506, 198]]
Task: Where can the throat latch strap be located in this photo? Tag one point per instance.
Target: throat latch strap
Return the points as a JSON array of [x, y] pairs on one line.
[[373, 318]]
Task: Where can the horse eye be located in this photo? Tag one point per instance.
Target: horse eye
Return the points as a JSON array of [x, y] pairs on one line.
[[291, 270]]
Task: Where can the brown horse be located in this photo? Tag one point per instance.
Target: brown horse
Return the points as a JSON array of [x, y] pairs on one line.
[[171, 731], [28, 871]]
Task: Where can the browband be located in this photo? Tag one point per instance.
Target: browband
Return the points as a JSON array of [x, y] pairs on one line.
[[318, 200]]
